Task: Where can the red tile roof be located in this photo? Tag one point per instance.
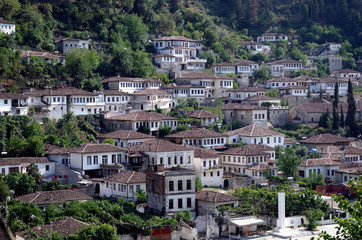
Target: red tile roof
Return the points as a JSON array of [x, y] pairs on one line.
[[248, 150], [196, 133], [215, 197], [49, 197], [125, 135], [204, 153], [22, 160], [142, 116], [201, 113], [253, 131], [61, 91]]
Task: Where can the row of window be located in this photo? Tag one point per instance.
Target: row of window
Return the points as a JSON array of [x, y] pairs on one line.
[[267, 141], [352, 159], [212, 174], [250, 159], [205, 141], [176, 160], [179, 203], [122, 187], [155, 124], [259, 116], [180, 185], [116, 99], [116, 158], [226, 83], [211, 163]]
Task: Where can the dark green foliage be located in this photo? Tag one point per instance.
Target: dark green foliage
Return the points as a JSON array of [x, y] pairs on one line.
[[289, 162], [351, 113], [141, 196], [34, 171], [164, 130], [54, 185], [21, 183], [144, 130], [4, 189]]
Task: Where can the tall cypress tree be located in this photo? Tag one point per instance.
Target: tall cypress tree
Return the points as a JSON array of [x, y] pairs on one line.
[[351, 113], [320, 93], [335, 124], [341, 122]]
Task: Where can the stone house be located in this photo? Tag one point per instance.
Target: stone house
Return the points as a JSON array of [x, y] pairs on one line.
[[206, 117], [130, 85], [295, 91], [343, 176], [199, 137], [48, 57], [246, 114], [116, 101], [311, 112], [208, 167], [13, 104], [208, 202], [325, 140], [184, 92], [324, 166], [281, 82], [135, 120], [254, 134], [7, 27], [238, 95], [330, 48], [66, 45], [57, 197], [256, 172], [261, 100], [125, 138], [215, 86], [125, 184], [346, 73], [334, 62]]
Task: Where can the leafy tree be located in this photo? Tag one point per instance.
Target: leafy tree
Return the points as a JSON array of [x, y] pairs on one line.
[[21, 183], [237, 125], [182, 127], [309, 94], [198, 185], [262, 74], [209, 56], [144, 130], [274, 93], [34, 171], [142, 65], [184, 216], [341, 123], [301, 151], [320, 93], [312, 216], [9, 7], [324, 120], [4, 189], [141, 196], [289, 162], [164, 130], [134, 30], [351, 113], [109, 141], [259, 57]]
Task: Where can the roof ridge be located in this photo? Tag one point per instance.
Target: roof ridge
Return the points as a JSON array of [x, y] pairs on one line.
[[38, 194], [129, 179]]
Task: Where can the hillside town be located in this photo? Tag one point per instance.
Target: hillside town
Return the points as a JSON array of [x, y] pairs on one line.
[[264, 147]]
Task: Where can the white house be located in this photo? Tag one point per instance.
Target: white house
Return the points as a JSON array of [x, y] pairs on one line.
[[92, 158], [324, 166], [208, 167], [272, 37], [21, 164], [7, 27], [126, 138], [281, 82], [13, 104], [238, 95], [343, 176], [199, 137], [256, 47], [298, 91], [48, 57], [254, 134], [136, 120], [206, 117], [125, 184], [346, 73], [284, 67], [56, 102], [183, 92], [151, 99], [130, 85], [116, 101]]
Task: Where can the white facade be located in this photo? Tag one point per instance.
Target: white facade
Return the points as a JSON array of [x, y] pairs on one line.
[[272, 37], [45, 169], [7, 27], [13, 104], [116, 189], [131, 85], [326, 170]]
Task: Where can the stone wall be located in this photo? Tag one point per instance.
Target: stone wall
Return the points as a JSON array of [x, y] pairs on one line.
[[73, 177]]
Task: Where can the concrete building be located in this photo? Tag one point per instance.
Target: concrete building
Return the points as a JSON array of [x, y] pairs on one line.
[[125, 138], [199, 137], [343, 176], [246, 114], [184, 92], [117, 101], [334, 62], [254, 134], [256, 47], [135, 120], [7, 27], [262, 101], [125, 184]]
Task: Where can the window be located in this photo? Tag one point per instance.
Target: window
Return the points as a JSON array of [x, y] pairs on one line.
[[204, 174], [138, 188], [89, 160], [131, 188], [189, 205], [180, 203], [218, 173], [114, 158], [211, 174], [170, 186], [104, 159], [47, 167], [119, 158], [5, 101], [170, 204], [179, 185], [95, 160], [169, 160], [188, 185]]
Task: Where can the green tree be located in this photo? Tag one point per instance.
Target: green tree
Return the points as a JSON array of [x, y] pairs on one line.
[[99, 232], [21, 183], [313, 215], [34, 171], [164, 131], [134, 30], [259, 57], [351, 113], [289, 162], [274, 93], [320, 93], [142, 65], [109, 141], [262, 74], [198, 185], [309, 94], [4, 189], [141, 196], [144, 130], [9, 7], [341, 123]]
